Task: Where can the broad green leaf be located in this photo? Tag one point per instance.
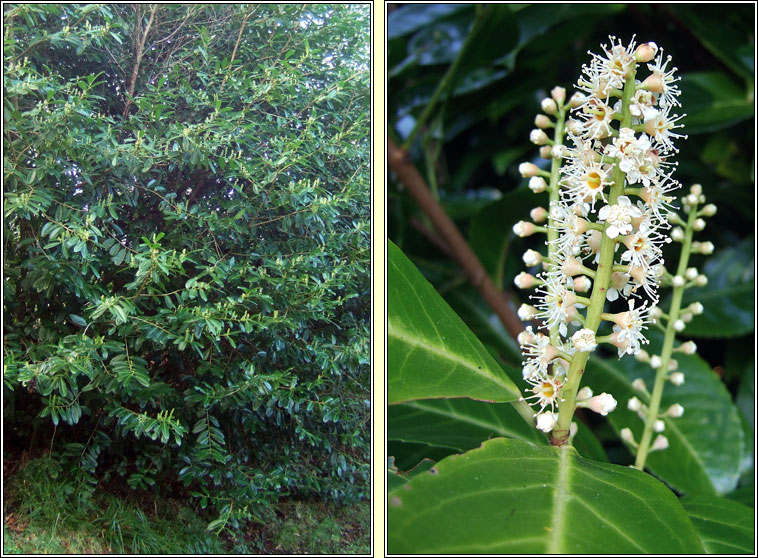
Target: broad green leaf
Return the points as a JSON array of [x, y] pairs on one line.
[[745, 494], [724, 40], [714, 101], [409, 455], [431, 352], [460, 424], [411, 17], [724, 526], [513, 497], [728, 299], [705, 444]]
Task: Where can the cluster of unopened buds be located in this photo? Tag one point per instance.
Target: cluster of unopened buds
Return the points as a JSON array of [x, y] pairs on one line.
[[610, 210]]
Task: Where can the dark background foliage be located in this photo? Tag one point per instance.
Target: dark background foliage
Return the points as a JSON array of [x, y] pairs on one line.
[[186, 256], [477, 133]]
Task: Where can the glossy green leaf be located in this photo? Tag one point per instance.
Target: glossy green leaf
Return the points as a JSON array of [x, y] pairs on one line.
[[431, 352], [705, 444], [460, 424], [724, 526], [513, 497], [713, 101], [409, 455], [728, 299], [417, 16], [723, 40]]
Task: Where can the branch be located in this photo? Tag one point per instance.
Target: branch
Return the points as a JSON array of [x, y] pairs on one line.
[[399, 161], [139, 53]]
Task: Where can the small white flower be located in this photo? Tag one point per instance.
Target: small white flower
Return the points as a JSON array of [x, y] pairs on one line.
[[659, 425], [584, 340], [545, 390], [619, 217]]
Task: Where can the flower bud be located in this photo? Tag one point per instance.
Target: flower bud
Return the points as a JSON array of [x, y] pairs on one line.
[[642, 356], [709, 210], [660, 443], [696, 189], [646, 52], [559, 94], [634, 404], [574, 126], [677, 378], [526, 312], [546, 421], [677, 280], [538, 137], [691, 273], [701, 280], [675, 411], [584, 393], [525, 281], [659, 425], [559, 151], [696, 308], [524, 229], [699, 224], [542, 121], [674, 219], [628, 436], [577, 99], [655, 362], [538, 214], [528, 170], [602, 404], [688, 348], [706, 248], [639, 385], [686, 317], [546, 151], [537, 184], [526, 337], [531, 258], [582, 284], [679, 325], [549, 106], [691, 199], [677, 234]]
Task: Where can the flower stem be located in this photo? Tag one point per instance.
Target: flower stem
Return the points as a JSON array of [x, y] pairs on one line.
[[554, 189], [668, 345], [599, 289]]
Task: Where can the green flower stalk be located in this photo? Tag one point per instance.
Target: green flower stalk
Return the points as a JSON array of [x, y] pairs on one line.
[[609, 207], [674, 321]]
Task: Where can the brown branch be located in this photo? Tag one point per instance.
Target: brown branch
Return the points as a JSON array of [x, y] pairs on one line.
[[139, 51], [399, 161]]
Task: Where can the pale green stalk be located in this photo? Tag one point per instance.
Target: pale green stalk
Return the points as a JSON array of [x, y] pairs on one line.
[[600, 285], [668, 345]]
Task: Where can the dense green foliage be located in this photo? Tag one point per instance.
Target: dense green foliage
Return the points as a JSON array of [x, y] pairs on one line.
[[186, 272], [465, 84]]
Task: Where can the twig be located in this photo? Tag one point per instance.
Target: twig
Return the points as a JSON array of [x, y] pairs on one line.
[[399, 161]]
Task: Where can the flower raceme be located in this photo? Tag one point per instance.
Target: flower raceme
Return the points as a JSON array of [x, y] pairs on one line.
[[608, 217]]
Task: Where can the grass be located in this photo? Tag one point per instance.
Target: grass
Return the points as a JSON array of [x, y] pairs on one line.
[[47, 512]]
